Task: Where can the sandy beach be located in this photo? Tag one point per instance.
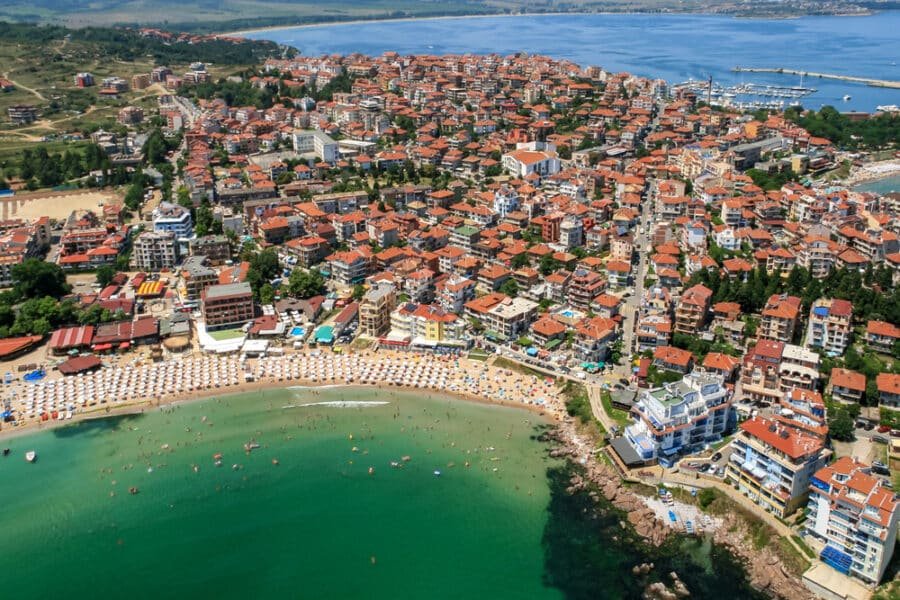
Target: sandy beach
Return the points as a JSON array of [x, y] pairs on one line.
[[873, 172], [129, 389]]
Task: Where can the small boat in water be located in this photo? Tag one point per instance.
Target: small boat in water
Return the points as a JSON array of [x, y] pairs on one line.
[[31, 456], [6, 452], [437, 473], [133, 490], [847, 98], [250, 446]]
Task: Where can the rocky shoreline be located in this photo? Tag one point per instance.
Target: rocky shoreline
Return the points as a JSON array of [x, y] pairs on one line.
[[765, 569]]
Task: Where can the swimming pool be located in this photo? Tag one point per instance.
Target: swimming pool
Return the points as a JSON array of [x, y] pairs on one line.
[[297, 331], [567, 313]]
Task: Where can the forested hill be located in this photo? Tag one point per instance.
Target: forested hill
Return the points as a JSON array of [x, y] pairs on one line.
[[132, 44]]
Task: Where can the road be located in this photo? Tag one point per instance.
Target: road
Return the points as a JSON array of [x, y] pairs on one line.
[[22, 87], [631, 307]]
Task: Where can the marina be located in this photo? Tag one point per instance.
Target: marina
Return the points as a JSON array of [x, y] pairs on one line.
[[747, 96]]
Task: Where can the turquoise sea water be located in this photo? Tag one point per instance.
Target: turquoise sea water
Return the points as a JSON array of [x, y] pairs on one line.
[[317, 524], [881, 186], [672, 47]]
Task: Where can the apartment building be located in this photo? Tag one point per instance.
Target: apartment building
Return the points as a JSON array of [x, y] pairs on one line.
[[502, 316], [780, 317], [310, 141], [680, 418], [155, 251], [375, 310], [196, 275], [584, 286], [216, 248], [690, 313], [799, 368], [348, 268], [428, 325], [227, 305], [772, 464], [881, 336], [846, 385], [593, 338], [168, 217], [855, 515], [830, 325]]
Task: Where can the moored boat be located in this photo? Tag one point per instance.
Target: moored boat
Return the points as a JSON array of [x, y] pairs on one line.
[[31, 456]]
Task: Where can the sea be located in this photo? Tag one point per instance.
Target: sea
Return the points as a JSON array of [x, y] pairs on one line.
[[676, 48], [351, 493], [884, 185]]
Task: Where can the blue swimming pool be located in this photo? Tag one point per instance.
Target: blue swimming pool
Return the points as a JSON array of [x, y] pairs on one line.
[[297, 331], [567, 313]]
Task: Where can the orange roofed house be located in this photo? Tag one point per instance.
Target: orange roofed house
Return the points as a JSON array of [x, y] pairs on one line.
[[772, 464], [855, 514]]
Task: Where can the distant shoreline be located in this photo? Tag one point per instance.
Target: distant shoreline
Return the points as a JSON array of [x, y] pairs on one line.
[[362, 21]]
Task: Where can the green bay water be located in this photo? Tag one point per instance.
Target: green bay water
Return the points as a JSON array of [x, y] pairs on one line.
[[318, 524]]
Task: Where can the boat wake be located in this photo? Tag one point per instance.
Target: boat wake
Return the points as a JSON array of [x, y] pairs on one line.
[[340, 404]]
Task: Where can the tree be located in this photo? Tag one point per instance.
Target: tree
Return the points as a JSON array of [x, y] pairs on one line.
[[266, 293], [840, 426], [519, 261], [510, 287], [263, 267], [548, 265], [34, 278], [105, 275], [306, 284], [358, 292]]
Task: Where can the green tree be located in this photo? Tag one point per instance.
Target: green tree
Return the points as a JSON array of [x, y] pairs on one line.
[[263, 267], [266, 293], [34, 278], [510, 287], [840, 426], [105, 275], [548, 265], [519, 261], [358, 292], [306, 284]]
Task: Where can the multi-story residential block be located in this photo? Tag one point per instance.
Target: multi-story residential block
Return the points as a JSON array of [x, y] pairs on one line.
[[653, 331], [227, 305], [155, 251], [830, 325], [593, 338], [584, 286], [779, 318], [888, 390], [847, 385], [799, 368], [680, 418], [173, 218], [881, 336], [502, 316], [453, 292], [427, 324], [759, 372], [317, 143], [524, 162], [196, 276], [690, 313], [772, 464], [855, 514], [348, 268], [216, 248], [375, 310]]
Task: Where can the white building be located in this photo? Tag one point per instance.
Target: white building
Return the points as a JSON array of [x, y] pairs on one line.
[[855, 515], [506, 200], [168, 217], [310, 141], [680, 418], [531, 158], [571, 233], [155, 250]]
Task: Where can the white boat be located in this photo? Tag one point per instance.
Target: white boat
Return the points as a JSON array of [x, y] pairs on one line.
[[847, 98], [31, 456]]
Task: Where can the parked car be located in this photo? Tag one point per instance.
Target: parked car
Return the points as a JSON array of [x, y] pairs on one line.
[[716, 457], [880, 439], [882, 428], [623, 381]]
